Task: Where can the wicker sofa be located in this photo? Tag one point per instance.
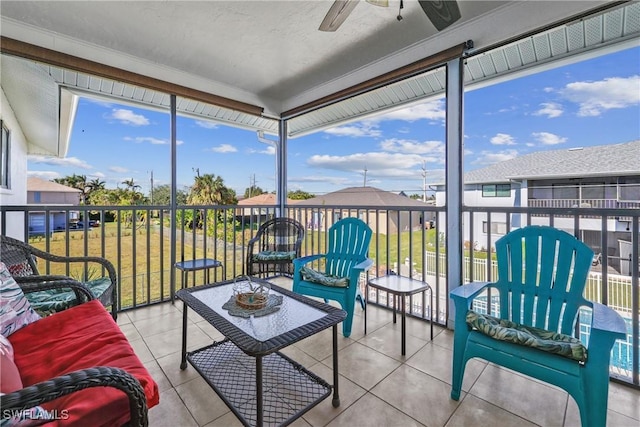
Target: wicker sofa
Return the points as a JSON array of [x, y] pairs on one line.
[[21, 260], [76, 366]]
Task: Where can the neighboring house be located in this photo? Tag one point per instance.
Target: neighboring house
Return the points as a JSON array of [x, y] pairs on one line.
[[42, 192], [605, 176], [253, 212], [398, 213]]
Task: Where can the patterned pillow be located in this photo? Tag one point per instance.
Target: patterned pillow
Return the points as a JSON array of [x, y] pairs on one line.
[[505, 330], [274, 256], [15, 310], [314, 276]]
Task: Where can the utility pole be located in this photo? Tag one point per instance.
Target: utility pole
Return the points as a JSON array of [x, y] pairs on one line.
[[151, 192], [365, 176], [424, 181]]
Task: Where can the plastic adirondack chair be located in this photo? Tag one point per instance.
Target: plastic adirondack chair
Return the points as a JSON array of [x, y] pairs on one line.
[[542, 272], [274, 247], [346, 257]]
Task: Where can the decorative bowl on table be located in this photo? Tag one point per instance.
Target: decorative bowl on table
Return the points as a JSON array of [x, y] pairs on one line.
[[250, 295]]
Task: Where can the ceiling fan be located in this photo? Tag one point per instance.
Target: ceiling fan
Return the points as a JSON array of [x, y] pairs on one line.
[[441, 13]]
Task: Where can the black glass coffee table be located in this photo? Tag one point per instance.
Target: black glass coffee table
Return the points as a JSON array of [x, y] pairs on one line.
[[258, 383]]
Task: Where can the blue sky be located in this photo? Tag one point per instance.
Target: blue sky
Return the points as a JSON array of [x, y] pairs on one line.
[[594, 102]]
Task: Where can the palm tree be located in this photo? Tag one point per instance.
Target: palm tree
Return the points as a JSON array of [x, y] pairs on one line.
[[93, 186], [131, 185], [209, 189]]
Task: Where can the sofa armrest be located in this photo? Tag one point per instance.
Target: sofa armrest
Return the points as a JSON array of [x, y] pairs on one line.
[[43, 283], [101, 376]]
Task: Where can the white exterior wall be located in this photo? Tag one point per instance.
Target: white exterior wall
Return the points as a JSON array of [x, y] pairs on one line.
[[17, 194]]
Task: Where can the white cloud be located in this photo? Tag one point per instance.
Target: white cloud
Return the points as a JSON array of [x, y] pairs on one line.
[[224, 148], [594, 98], [128, 117], [409, 146], [434, 110], [356, 130], [549, 109], [491, 157], [378, 164], [206, 125], [151, 140], [73, 162], [118, 169], [547, 138], [98, 175], [270, 150], [47, 175], [502, 139]]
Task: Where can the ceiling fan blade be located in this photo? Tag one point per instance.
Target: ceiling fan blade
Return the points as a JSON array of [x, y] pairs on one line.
[[381, 3], [338, 12], [441, 13]]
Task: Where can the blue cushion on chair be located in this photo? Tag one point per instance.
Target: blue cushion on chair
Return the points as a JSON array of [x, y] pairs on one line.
[[274, 256], [314, 276], [505, 330]]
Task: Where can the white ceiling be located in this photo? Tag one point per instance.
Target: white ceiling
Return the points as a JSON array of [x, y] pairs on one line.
[[267, 53], [271, 54]]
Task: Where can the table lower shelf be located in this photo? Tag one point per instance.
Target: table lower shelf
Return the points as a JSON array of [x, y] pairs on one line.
[[289, 390]]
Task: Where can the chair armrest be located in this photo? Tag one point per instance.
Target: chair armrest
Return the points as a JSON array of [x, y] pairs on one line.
[[101, 376], [68, 259], [469, 291], [605, 319], [43, 283], [299, 262], [364, 265]]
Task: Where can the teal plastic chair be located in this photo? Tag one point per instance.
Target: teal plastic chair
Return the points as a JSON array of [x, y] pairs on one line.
[[542, 272], [346, 258]]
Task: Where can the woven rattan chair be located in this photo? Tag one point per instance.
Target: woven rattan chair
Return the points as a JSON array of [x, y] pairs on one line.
[[276, 244], [21, 260]]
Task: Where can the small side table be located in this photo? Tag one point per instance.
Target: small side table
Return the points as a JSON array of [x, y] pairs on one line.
[[400, 286], [195, 265]]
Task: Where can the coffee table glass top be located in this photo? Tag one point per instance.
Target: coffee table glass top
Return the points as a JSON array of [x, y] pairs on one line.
[[292, 313]]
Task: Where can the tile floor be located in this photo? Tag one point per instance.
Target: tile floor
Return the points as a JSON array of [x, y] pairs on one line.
[[378, 386]]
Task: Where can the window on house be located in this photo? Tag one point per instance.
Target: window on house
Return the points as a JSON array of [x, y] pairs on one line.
[[496, 190], [496, 227], [37, 197], [4, 158], [629, 189]]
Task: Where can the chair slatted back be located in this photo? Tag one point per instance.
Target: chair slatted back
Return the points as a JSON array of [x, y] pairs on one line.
[[542, 273], [280, 235], [348, 245]]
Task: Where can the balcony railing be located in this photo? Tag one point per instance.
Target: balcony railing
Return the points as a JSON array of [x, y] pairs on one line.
[[138, 242]]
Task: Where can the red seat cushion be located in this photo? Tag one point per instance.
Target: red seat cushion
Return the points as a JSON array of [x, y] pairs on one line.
[[81, 337]]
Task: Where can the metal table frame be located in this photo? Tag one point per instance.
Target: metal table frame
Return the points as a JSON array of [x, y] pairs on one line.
[[400, 287], [261, 349]]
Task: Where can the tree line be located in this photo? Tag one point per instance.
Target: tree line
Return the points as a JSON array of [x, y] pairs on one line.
[[207, 189]]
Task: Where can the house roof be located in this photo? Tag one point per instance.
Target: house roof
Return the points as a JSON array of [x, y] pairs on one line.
[[602, 160], [361, 196], [261, 199], [44, 186]]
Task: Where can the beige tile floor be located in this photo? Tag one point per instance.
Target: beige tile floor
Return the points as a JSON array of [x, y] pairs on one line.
[[378, 386]]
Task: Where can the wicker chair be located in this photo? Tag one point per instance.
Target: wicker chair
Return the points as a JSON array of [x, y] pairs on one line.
[[21, 260], [274, 247], [99, 376]]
